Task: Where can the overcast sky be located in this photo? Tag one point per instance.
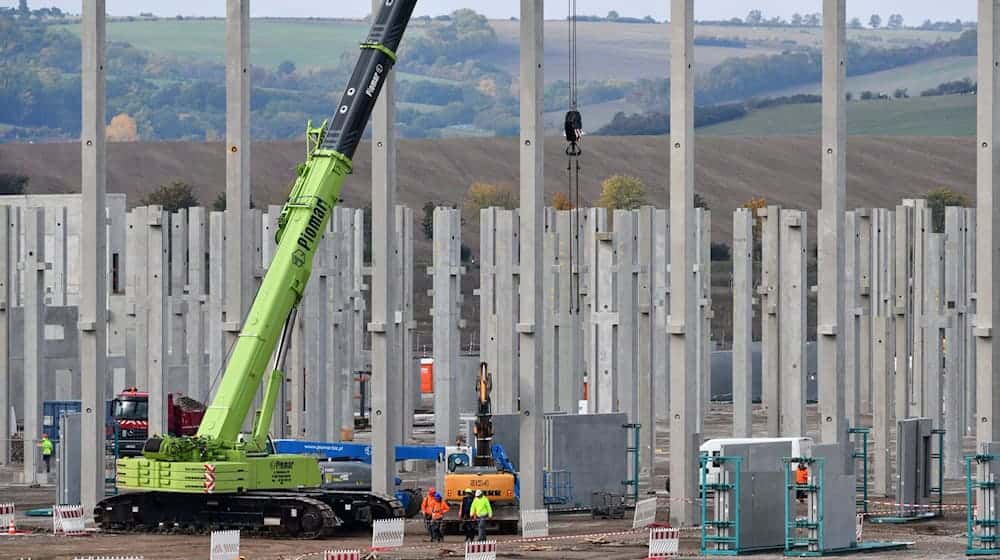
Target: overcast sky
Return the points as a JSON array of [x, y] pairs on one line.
[[914, 11]]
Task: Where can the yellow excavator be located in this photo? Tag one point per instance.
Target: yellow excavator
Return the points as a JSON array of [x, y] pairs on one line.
[[491, 471]]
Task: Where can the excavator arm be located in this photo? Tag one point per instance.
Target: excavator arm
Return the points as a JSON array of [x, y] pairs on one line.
[[303, 219]]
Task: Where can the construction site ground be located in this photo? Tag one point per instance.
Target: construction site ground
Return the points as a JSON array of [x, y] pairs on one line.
[[572, 536]]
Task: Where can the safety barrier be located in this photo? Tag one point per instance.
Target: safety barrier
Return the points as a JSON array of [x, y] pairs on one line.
[[388, 533], [859, 527], [485, 550], [225, 545], [342, 555], [7, 518], [645, 513], [534, 523], [67, 520], [664, 542]]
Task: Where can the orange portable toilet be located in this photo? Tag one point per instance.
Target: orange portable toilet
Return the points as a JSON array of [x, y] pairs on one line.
[[427, 375]]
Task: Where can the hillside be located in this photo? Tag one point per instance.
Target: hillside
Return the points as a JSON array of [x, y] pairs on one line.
[[951, 115], [730, 170]]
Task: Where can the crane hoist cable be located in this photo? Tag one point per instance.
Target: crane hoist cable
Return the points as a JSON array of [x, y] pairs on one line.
[[574, 134]]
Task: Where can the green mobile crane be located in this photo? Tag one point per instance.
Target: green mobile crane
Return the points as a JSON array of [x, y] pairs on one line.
[[216, 478]]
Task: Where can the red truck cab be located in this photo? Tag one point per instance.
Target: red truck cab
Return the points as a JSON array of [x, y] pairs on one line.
[[130, 411]]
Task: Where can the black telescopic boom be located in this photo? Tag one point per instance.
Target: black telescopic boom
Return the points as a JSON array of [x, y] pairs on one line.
[[378, 57]]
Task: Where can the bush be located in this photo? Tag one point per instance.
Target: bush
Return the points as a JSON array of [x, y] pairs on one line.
[[13, 183], [721, 252], [486, 195], [172, 197], [622, 192], [938, 200]]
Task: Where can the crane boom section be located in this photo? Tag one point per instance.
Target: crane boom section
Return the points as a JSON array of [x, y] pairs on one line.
[[303, 220]]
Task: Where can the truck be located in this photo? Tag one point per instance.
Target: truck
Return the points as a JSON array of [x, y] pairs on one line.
[[127, 414], [130, 413], [216, 479]]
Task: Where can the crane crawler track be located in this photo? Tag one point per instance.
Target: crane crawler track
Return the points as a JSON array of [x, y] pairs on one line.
[[308, 514]]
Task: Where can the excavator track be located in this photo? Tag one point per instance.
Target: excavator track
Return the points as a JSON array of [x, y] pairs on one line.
[[306, 514]]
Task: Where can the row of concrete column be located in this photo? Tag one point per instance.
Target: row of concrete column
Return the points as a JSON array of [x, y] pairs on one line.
[[166, 326], [909, 298], [605, 309]]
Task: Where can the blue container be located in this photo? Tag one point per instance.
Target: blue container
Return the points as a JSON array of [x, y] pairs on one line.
[[51, 411]]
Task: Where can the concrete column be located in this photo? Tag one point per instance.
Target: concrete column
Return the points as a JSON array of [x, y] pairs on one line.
[[933, 321], [604, 318], [198, 380], [970, 316], [176, 356], [570, 350], [362, 340], [865, 305], [33, 269], [446, 313], [648, 261], [988, 235], [532, 206], [342, 356], [661, 315], [120, 373], [5, 372], [793, 323], [595, 233], [314, 337], [404, 319], [703, 281], [486, 293], [770, 293], [55, 248], [385, 383], [136, 294], [93, 253], [217, 347], [882, 356], [852, 318], [684, 437], [922, 221], [239, 248], [550, 304], [830, 267], [156, 324], [624, 285], [742, 323], [505, 372], [954, 375], [902, 308]]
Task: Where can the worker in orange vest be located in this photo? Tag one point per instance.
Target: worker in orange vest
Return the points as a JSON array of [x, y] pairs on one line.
[[801, 479], [425, 509], [439, 507]]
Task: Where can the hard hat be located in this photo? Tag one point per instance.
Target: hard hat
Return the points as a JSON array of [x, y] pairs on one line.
[[479, 493], [437, 495], [467, 491]]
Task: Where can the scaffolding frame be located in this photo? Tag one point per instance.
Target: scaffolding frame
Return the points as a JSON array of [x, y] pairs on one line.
[[982, 523], [860, 454], [720, 536]]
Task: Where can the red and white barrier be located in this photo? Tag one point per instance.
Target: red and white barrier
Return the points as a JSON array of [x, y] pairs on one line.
[[388, 534], [342, 555], [485, 550], [108, 558], [859, 527], [664, 542], [67, 520], [7, 518]]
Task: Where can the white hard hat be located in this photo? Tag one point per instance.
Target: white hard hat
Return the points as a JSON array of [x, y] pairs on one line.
[[479, 493]]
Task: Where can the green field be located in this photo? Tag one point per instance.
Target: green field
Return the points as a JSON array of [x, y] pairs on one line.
[[915, 77], [308, 44], [953, 115]]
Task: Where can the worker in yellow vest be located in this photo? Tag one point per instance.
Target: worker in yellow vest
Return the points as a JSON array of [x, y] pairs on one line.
[[47, 449]]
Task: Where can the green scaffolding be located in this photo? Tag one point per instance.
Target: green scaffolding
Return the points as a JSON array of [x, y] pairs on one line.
[[860, 456], [720, 537], [982, 524]]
